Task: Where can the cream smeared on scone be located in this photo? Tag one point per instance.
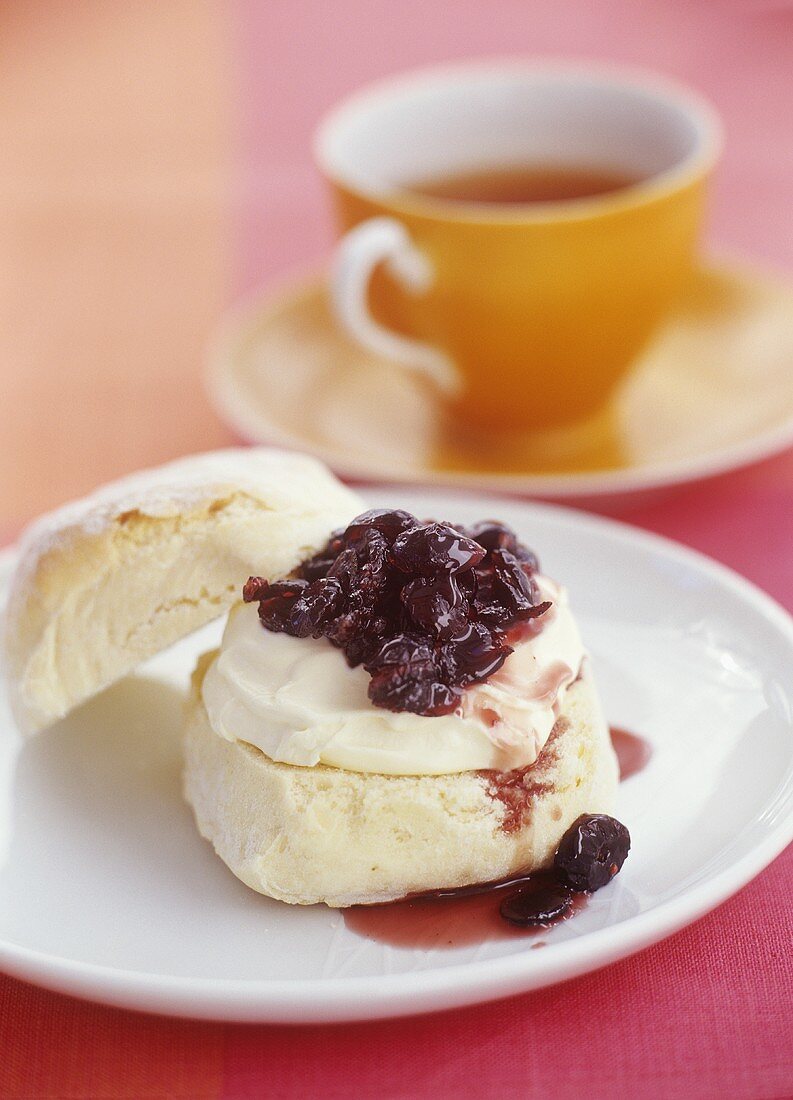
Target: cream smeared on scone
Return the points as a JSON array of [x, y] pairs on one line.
[[298, 701], [308, 835]]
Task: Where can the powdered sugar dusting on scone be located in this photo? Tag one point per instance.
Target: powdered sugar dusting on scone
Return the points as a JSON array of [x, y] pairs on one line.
[[287, 479], [109, 581]]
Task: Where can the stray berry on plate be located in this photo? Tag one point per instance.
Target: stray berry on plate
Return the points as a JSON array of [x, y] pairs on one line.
[[591, 852], [537, 904]]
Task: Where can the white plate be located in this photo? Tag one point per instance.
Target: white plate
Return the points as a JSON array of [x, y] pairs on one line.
[[107, 892]]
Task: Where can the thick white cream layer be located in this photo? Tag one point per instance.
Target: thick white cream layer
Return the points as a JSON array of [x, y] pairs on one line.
[[298, 701]]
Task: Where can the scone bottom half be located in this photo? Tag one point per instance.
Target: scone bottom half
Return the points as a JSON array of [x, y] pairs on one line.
[[424, 613], [323, 834]]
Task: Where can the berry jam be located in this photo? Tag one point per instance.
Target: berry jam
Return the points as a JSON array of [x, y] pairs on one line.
[[519, 788], [633, 752], [461, 918], [590, 853], [426, 608]]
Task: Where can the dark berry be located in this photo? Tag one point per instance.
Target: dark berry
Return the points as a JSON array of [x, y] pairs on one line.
[[372, 578], [493, 535], [317, 566], [436, 605], [405, 677], [591, 852], [435, 548], [315, 607], [387, 523], [408, 651], [537, 904], [276, 603], [488, 603], [349, 631], [399, 690], [498, 536], [527, 558], [473, 655], [361, 647], [345, 570], [516, 589], [254, 589]]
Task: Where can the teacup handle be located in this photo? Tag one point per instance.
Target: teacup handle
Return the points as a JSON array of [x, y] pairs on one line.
[[357, 255]]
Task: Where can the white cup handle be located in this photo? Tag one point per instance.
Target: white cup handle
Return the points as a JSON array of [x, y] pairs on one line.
[[357, 254]]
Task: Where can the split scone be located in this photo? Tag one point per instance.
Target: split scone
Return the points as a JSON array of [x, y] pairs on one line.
[[408, 708], [411, 710]]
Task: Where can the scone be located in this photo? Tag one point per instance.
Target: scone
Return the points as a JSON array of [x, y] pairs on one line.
[[397, 705], [108, 581], [410, 710]]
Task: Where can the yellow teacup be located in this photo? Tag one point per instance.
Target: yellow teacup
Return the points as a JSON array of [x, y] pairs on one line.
[[525, 314]]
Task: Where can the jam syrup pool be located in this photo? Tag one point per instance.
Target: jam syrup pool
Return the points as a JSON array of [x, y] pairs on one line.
[[471, 914], [452, 918], [633, 752]]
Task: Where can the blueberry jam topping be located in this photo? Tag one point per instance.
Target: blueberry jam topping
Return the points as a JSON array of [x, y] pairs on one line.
[[424, 607], [591, 852]]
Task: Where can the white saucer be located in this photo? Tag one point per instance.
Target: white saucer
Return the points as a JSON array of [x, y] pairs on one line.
[[107, 891]]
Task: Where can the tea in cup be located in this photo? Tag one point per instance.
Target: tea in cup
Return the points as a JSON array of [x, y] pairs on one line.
[[516, 231]]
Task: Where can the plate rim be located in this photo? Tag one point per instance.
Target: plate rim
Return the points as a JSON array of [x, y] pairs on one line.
[[260, 305], [340, 999]]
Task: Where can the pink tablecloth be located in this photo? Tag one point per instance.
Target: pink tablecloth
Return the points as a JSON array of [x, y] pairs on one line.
[[706, 1014]]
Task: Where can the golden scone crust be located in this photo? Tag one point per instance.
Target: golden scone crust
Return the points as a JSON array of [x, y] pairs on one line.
[[307, 835], [106, 582]]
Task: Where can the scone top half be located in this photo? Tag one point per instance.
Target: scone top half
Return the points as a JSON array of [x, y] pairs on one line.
[[108, 581]]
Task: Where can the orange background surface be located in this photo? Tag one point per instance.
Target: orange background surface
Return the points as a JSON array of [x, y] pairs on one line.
[[116, 193]]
